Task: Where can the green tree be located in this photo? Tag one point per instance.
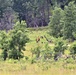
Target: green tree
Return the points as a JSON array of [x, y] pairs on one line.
[[69, 21], [4, 44], [19, 40], [55, 22]]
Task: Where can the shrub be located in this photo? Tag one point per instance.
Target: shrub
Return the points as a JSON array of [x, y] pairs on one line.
[[47, 53], [59, 48], [73, 49], [36, 51]]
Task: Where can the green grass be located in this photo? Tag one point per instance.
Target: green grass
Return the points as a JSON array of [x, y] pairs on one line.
[[24, 67], [34, 69]]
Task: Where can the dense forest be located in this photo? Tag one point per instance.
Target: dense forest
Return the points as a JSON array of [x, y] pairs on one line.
[[34, 12]]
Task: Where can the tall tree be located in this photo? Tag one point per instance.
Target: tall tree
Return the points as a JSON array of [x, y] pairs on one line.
[[55, 22], [6, 14], [3, 5], [35, 12], [69, 21]]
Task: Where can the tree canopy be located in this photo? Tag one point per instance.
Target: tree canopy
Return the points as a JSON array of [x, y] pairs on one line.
[[34, 12]]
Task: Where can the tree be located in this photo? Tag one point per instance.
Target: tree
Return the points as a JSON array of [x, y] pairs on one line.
[[4, 44], [61, 3], [55, 22], [6, 15], [35, 12], [69, 21], [13, 42], [3, 5], [19, 40]]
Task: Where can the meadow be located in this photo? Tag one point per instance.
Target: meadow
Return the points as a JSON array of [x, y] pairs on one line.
[[24, 65]]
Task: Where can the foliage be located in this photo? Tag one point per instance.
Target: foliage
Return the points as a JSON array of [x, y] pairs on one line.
[[55, 23], [70, 60], [14, 42], [4, 43], [37, 9], [63, 22], [3, 6], [73, 50], [60, 46], [47, 53], [59, 49], [69, 21], [19, 40], [36, 51], [34, 12]]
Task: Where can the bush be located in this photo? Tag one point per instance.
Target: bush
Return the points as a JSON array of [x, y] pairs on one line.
[[59, 48], [73, 50], [70, 66], [33, 60], [70, 60], [36, 51], [47, 53]]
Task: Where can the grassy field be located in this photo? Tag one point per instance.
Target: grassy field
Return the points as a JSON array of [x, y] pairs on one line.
[[24, 67], [34, 69]]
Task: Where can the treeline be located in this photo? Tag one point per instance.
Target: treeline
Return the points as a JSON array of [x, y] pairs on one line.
[[34, 12]]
